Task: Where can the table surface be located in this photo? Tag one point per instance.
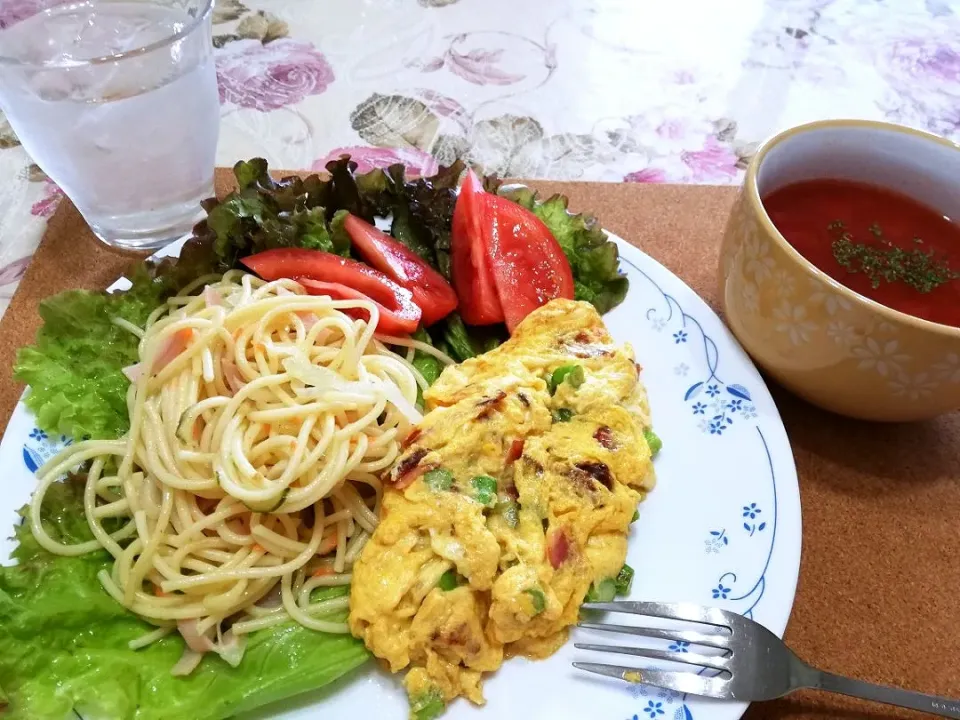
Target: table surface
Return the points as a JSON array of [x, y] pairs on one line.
[[678, 91], [879, 575]]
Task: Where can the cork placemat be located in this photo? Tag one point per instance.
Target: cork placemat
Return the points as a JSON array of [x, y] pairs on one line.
[[879, 590]]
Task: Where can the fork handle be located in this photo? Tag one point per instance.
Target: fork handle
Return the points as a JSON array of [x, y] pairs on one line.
[[944, 707]]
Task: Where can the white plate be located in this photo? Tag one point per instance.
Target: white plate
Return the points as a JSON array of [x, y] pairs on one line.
[[721, 528]]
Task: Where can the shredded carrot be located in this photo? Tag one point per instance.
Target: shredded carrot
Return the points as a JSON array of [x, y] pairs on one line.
[[158, 592], [257, 547], [197, 430], [323, 571], [329, 544]]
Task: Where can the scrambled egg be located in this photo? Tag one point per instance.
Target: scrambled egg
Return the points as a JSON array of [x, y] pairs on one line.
[[509, 504]]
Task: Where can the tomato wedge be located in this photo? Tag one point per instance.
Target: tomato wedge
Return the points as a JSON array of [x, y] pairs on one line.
[[401, 320], [528, 266], [470, 262], [401, 264], [343, 279]]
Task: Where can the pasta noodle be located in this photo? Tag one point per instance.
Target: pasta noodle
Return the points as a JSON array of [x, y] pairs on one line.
[[260, 420]]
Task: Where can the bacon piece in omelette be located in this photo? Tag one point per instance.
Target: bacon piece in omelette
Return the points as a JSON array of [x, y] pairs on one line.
[[526, 472]]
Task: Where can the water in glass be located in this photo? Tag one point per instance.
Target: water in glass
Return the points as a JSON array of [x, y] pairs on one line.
[[118, 103]]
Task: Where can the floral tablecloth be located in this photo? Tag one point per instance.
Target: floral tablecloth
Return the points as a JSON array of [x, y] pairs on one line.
[[610, 90]]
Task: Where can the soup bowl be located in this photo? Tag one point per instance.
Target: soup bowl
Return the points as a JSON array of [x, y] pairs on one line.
[[824, 342]]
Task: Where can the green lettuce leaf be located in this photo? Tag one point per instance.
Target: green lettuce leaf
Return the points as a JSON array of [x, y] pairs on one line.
[[422, 210], [77, 388], [265, 213], [338, 233], [63, 643]]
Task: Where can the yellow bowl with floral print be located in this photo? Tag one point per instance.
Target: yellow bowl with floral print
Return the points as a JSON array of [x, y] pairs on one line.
[[819, 339]]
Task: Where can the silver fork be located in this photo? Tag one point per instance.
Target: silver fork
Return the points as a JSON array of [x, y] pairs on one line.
[[755, 664]]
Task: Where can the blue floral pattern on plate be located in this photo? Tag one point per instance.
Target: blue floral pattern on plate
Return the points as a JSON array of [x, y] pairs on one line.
[[40, 447], [716, 403], [715, 406]]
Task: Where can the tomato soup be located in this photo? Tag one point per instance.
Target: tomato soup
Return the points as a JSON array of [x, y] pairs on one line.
[[879, 243]]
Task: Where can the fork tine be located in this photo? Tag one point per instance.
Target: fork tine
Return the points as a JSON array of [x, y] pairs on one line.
[[694, 638], [682, 682], [687, 658], [671, 611]]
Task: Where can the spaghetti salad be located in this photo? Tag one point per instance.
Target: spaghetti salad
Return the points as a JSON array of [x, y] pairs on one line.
[[260, 420]]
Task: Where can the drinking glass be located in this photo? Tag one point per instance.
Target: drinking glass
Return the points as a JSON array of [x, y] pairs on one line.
[[117, 101]]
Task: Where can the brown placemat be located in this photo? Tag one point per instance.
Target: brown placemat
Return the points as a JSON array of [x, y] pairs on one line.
[[879, 588]]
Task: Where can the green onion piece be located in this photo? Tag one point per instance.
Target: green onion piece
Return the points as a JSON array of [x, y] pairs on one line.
[[577, 377], [654, 441], [428, 705], [572, 374], [562, 415], [603, 591], [510, 512], [448, 581], [485, 490], [538, 600], [636, 516], [624, 580], [439, 479]]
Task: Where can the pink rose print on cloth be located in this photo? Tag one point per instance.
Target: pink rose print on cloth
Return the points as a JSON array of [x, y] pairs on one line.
[[481, 67], [493, 57], [268, 77], [11, 274], [45, 206], [647, 175], [924, 74], [714, 163], [925, 61], [370, 158]]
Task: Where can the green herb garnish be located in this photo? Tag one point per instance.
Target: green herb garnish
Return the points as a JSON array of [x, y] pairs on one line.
[[921, 270], [562, 415]]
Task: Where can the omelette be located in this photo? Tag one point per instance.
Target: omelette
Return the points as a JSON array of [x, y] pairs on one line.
[[508, 507]]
